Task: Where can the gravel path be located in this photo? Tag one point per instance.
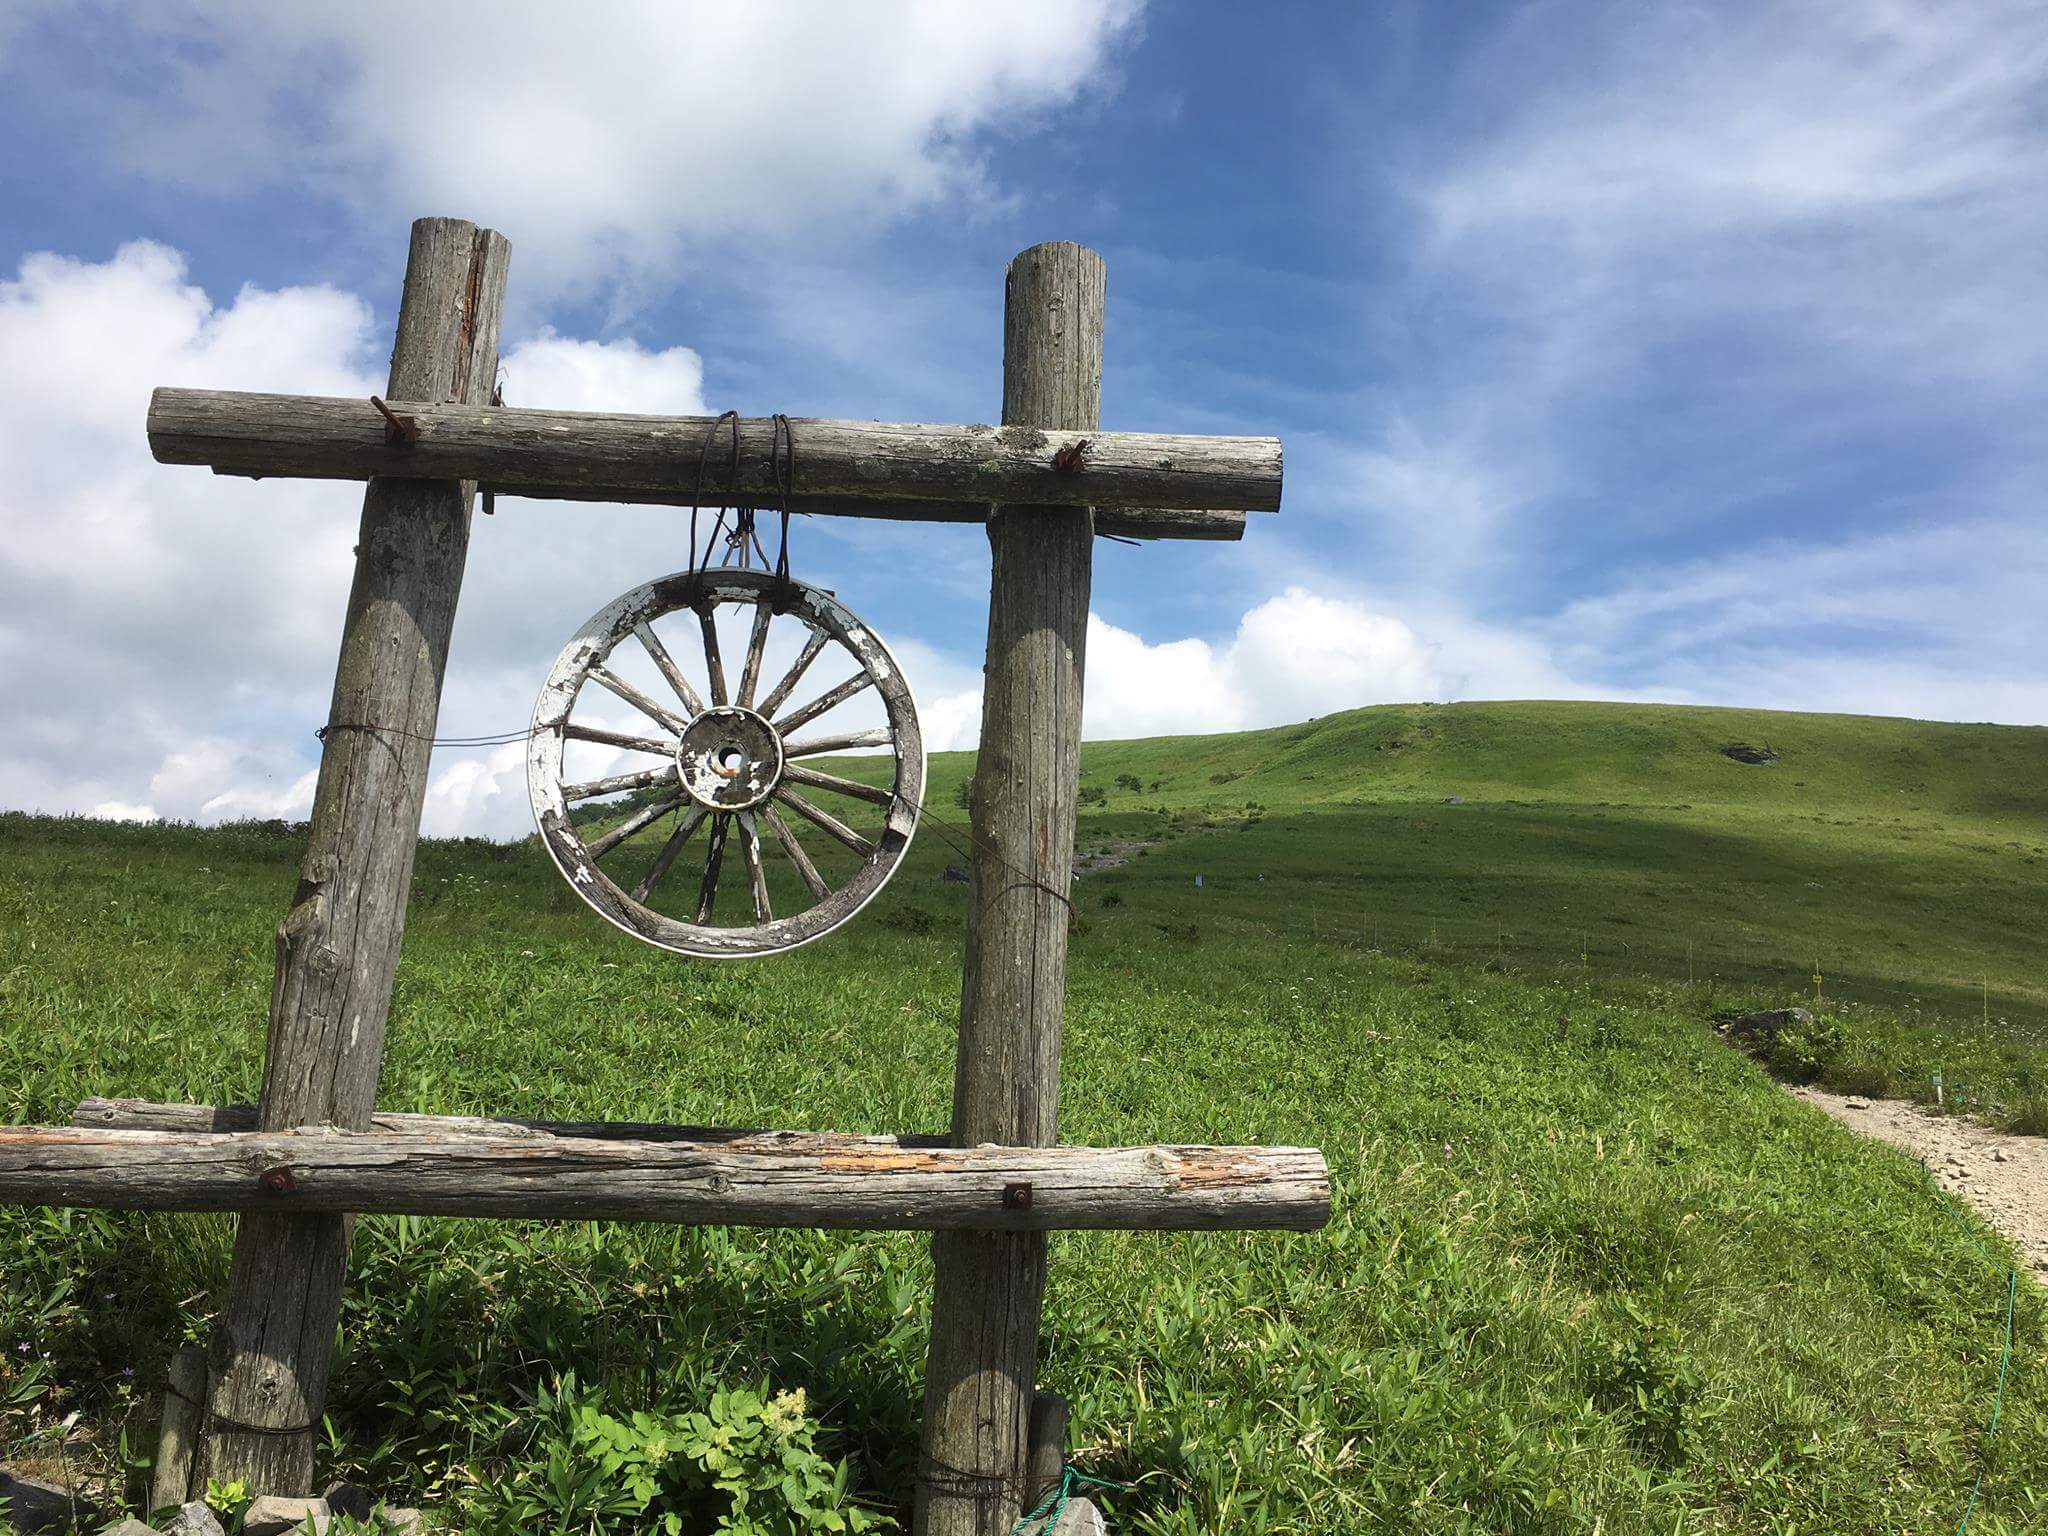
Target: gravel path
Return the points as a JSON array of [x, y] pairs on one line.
[[2005, 1177]]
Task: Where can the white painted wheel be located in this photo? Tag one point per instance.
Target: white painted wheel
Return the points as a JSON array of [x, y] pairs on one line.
[[696, 755]]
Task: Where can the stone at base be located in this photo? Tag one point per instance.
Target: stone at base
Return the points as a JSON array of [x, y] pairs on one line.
[[129, 1527], [351, 1499], [271, 1516], [403, 1521], [194, 1519], [31, 1505], [1079, 1518]]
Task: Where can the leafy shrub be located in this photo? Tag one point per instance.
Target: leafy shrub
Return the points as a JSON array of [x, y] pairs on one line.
[[1092, 794], [2028, 1116], [747, 1464], [1805, 1048], [1129, 781], [1646, 1381], [963, 793], [1867, 1079]]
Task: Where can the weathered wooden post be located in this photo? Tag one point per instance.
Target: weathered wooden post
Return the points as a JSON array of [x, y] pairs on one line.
[[337, 948], [990, 1286]]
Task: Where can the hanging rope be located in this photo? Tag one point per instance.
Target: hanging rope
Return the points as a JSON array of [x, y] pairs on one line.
[[694, 568], [782, 466]]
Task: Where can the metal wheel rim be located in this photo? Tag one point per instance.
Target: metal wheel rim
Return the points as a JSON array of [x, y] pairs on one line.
[[583, 662]]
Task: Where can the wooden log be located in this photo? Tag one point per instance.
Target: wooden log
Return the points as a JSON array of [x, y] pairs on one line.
[[143, 1115], [1045, 1459], [177, 1440], [546, 453], [1118, 522], [988, 1289], [741, 1178], [338, 945]]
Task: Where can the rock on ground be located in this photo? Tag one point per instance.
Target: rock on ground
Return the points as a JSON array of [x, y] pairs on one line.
[[1079, 1518], [273, 1516], [1768, 1024], [194, 1519], [32, 1505], [2005, 1177]]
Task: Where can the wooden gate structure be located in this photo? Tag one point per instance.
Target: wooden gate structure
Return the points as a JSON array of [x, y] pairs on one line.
[[315, 1151]]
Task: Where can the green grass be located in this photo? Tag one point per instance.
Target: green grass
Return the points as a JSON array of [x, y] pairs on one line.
[[1588, 1268]]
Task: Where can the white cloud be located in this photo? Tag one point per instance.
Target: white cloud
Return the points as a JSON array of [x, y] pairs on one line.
[[169, 636], [1294, 656], [624, 130], [152, 614], [122, 810], [1940, 620]]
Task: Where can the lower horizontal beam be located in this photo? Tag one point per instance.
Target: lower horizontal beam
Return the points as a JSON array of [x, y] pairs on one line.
[[746, 1178], [1120, 522]]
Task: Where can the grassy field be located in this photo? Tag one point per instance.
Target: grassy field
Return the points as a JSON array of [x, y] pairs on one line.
[[1590, 1269]]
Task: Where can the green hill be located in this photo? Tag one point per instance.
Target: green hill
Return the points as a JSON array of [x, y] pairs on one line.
[[1640, 754], [1906, 861], [1590, 1269]]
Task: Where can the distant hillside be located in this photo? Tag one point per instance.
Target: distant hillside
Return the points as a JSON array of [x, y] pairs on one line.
[[1635, 754], [1905, 860]]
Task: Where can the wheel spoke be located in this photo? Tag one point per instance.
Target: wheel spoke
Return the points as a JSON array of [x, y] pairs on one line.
[[619, 739], [823, 702], [826, 820], [641, 819], [660, 714], [750, 849], [714, 664], [650, 642], [794, 852], [707, 893], [816, 642], [646, 778], [879, 737], [796, 773], [669, 850], [757, 642]]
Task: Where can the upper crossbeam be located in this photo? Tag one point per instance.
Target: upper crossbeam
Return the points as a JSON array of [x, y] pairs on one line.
[[1162, 483]]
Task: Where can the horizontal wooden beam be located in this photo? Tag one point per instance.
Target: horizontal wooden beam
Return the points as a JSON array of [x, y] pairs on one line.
[[147, 1115], [739, 1178], [1118, 522], [517, 451]]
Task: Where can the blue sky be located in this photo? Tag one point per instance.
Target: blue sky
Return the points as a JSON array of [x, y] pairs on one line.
[[1674, 351]]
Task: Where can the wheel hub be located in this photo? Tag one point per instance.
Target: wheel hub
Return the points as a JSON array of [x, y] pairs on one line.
[[730, 758]]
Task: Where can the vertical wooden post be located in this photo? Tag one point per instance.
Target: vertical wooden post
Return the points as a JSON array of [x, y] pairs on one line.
[[177, 1441], [337, 948], [989, 1286]]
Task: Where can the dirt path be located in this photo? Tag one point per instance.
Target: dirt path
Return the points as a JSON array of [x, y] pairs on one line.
[[2004, 1177]]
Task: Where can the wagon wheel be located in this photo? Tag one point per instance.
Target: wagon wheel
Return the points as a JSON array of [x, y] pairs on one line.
[[734, 769]]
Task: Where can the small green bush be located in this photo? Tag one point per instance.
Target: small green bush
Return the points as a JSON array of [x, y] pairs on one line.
[[1867, 1079], [2028, 1116], [1802, 1052], [746, 1464], [1647, 1382]]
